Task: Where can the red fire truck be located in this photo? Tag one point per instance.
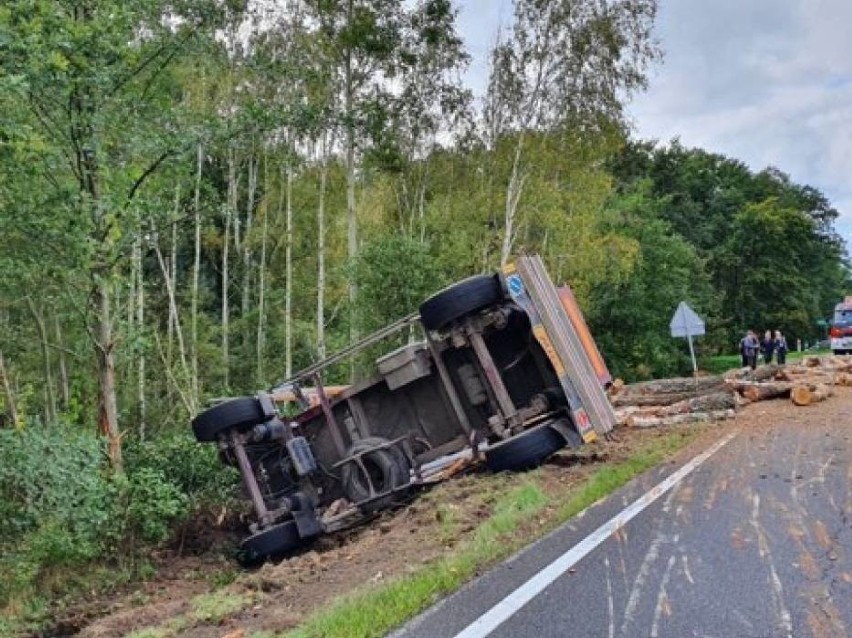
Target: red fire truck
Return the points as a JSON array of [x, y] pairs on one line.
[[841, 327]]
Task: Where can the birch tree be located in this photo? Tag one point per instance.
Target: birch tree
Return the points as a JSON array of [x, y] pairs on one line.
[[564, 65]]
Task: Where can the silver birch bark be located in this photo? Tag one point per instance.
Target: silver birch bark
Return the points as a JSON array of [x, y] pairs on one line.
[[196, 268], [229, 207], [261, 281], [63, 368], [139, 319], [321, 349], [288, 267], [49, 399]]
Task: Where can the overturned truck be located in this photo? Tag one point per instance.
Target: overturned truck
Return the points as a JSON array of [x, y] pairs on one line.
[[506, 371]]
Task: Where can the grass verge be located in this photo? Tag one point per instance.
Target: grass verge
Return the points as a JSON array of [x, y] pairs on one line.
[[371, 613]]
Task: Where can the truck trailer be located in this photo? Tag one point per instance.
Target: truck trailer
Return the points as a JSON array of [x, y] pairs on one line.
[[499, 367]]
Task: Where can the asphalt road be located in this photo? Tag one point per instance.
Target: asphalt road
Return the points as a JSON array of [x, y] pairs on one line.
[[755, 542]]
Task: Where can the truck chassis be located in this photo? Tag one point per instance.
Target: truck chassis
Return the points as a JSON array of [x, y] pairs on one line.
[[488, 379]]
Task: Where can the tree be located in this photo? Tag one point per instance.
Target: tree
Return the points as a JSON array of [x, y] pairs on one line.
[[101, 108], [566, 67]]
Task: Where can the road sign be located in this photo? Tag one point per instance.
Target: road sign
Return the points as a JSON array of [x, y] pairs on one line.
[[685, 322]]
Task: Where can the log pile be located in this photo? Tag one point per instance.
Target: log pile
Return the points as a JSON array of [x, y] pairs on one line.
[[806, 382], [712, 398], [673, 401]]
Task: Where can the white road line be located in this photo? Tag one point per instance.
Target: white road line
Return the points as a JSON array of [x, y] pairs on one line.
[[506, 608]]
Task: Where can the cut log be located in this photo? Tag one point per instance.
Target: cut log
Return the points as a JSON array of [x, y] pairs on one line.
[[638, 421], [616, 387], [844, 379], [624, 399], [747, 374], [700, 385], [807, 394], [763, 391], [706, 403]]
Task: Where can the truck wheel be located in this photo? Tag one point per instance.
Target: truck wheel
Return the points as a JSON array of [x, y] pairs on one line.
[[460, 300], [240, 414], [524, 451], [387, 468], [271, 542]]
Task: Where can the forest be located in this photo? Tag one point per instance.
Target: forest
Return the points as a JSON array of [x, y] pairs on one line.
[[200, 197]]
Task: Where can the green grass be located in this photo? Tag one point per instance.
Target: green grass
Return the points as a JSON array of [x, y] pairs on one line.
[[371, 613], [725, 362], [218, 605]]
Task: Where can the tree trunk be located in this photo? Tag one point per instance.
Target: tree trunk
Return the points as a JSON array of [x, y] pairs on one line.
[[639, 421], [196, 268], [807, 394], [288, 268], [105, 357], [49, 399], [513, 198], [170, 275], [8, 392], [261, 281], [63, 368], [763, 391], [321, 351], [175, 321], [229, 208], [247, 251], [706, 403], [699, 385], [651, 400], [351, 218], [140, 327]]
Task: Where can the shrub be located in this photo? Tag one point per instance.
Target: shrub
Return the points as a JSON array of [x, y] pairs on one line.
[[195, 469]]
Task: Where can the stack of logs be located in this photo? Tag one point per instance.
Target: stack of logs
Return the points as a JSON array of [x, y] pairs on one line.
[[712, 398]]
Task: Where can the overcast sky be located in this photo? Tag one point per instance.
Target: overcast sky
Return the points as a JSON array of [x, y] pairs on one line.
[[768, 82]]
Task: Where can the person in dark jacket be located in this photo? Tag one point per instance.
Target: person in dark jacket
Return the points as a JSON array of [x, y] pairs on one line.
[[767, 347], [751, 346], [781, 347], [743, 354]]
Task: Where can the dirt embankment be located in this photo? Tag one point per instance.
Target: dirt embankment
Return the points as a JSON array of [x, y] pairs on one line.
[[210, 597]]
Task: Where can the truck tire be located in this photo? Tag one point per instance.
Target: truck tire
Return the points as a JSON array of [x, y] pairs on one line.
[[524, 451], [388, 469], [271, 542], [240, 414], [460, 300]]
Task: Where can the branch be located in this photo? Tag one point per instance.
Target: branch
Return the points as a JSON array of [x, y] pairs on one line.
[[148, 171]]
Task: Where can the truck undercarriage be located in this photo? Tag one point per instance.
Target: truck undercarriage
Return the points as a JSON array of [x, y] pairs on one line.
[[505, 371]]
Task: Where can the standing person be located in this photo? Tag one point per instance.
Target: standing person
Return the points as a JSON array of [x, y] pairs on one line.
[[781, 347], [743, 351], [751, 347], [767, 346]]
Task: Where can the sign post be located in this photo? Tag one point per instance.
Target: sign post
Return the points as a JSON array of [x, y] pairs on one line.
[[685, 323]]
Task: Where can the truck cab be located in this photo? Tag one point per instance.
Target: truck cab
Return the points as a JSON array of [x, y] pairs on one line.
[[840, 332]]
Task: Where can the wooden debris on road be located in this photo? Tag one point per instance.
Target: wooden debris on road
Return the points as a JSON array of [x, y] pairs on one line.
[[808, 394], [696, 400]]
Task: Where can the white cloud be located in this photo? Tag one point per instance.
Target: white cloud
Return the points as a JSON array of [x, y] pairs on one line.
[[766, 81]]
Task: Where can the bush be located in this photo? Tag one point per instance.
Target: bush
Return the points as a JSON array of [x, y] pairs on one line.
[[60, 508], [195, 469]]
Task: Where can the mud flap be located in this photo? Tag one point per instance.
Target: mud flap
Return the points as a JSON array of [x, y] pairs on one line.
[[567, 431]]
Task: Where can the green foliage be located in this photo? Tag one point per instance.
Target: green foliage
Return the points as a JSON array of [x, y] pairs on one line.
[[395, 273], [195, 470], [59, 509], [630, 318]]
